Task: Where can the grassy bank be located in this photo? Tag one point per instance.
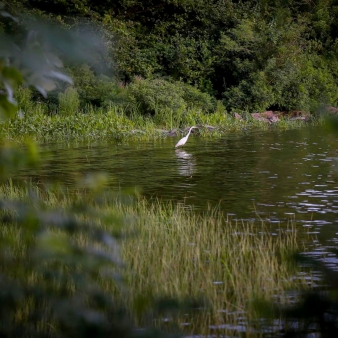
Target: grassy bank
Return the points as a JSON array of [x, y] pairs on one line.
[[170, 251], [114, 124]]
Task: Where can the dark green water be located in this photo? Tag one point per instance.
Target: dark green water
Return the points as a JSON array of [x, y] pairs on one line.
[[271, 174]]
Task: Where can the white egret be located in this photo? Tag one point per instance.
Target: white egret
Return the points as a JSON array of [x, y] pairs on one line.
[[183, 140]]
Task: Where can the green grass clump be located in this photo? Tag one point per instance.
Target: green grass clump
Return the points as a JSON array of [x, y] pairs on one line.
[[230, 264], [23, 97], [69, 102]]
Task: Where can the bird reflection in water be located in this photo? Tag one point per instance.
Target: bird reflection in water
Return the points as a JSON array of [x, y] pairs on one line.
[[186, 163]]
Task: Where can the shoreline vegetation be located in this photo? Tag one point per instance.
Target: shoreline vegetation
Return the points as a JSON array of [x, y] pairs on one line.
[[224, 269], [67, 122], [145, 70], [179, 61]]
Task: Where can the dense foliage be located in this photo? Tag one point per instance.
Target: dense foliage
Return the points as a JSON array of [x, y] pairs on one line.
[[252, 55], [59, 263]]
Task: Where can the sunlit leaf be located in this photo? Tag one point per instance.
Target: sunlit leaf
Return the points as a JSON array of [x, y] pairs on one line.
[[9, 90]]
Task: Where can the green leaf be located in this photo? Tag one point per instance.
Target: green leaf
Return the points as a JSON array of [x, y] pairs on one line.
[[12, 75], [7, 108]]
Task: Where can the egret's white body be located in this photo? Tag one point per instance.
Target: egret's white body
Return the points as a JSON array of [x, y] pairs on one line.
[[183, 140]]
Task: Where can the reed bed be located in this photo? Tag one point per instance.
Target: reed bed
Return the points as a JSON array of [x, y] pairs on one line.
[[115, 124], [229, 264], [171, 252]]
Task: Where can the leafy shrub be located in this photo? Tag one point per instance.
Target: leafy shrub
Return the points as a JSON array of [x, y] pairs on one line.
[[307, 85], [195, 99], [92, 89], [154, 96], [159, 97], [318, 83]]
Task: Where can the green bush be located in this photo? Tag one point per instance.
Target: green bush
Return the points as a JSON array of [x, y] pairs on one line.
[[318, 83], [195, 99], [155, 96], [167, 102], [92, 89], [271, 63], [158, 96]]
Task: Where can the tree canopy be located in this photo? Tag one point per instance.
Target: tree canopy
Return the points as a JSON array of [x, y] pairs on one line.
[[252, 55]]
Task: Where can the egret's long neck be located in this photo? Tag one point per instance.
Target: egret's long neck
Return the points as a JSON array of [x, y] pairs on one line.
[[189, 131]]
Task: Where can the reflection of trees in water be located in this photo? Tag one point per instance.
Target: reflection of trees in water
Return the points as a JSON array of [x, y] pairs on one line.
[[186, 162]]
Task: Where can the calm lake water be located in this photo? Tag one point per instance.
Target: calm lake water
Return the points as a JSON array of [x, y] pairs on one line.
[[273, 174]]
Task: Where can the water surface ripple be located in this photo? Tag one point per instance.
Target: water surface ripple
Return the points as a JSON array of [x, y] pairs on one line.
[[273, 174]]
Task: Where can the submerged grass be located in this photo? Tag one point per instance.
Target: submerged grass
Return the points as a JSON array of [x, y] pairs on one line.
[[172, 252], [114, 123]]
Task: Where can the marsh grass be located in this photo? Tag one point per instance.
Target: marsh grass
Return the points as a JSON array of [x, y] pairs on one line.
[[70, 122], [228, 264], [173, 253]]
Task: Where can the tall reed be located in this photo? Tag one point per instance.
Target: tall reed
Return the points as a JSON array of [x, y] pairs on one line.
[[229, 264]]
